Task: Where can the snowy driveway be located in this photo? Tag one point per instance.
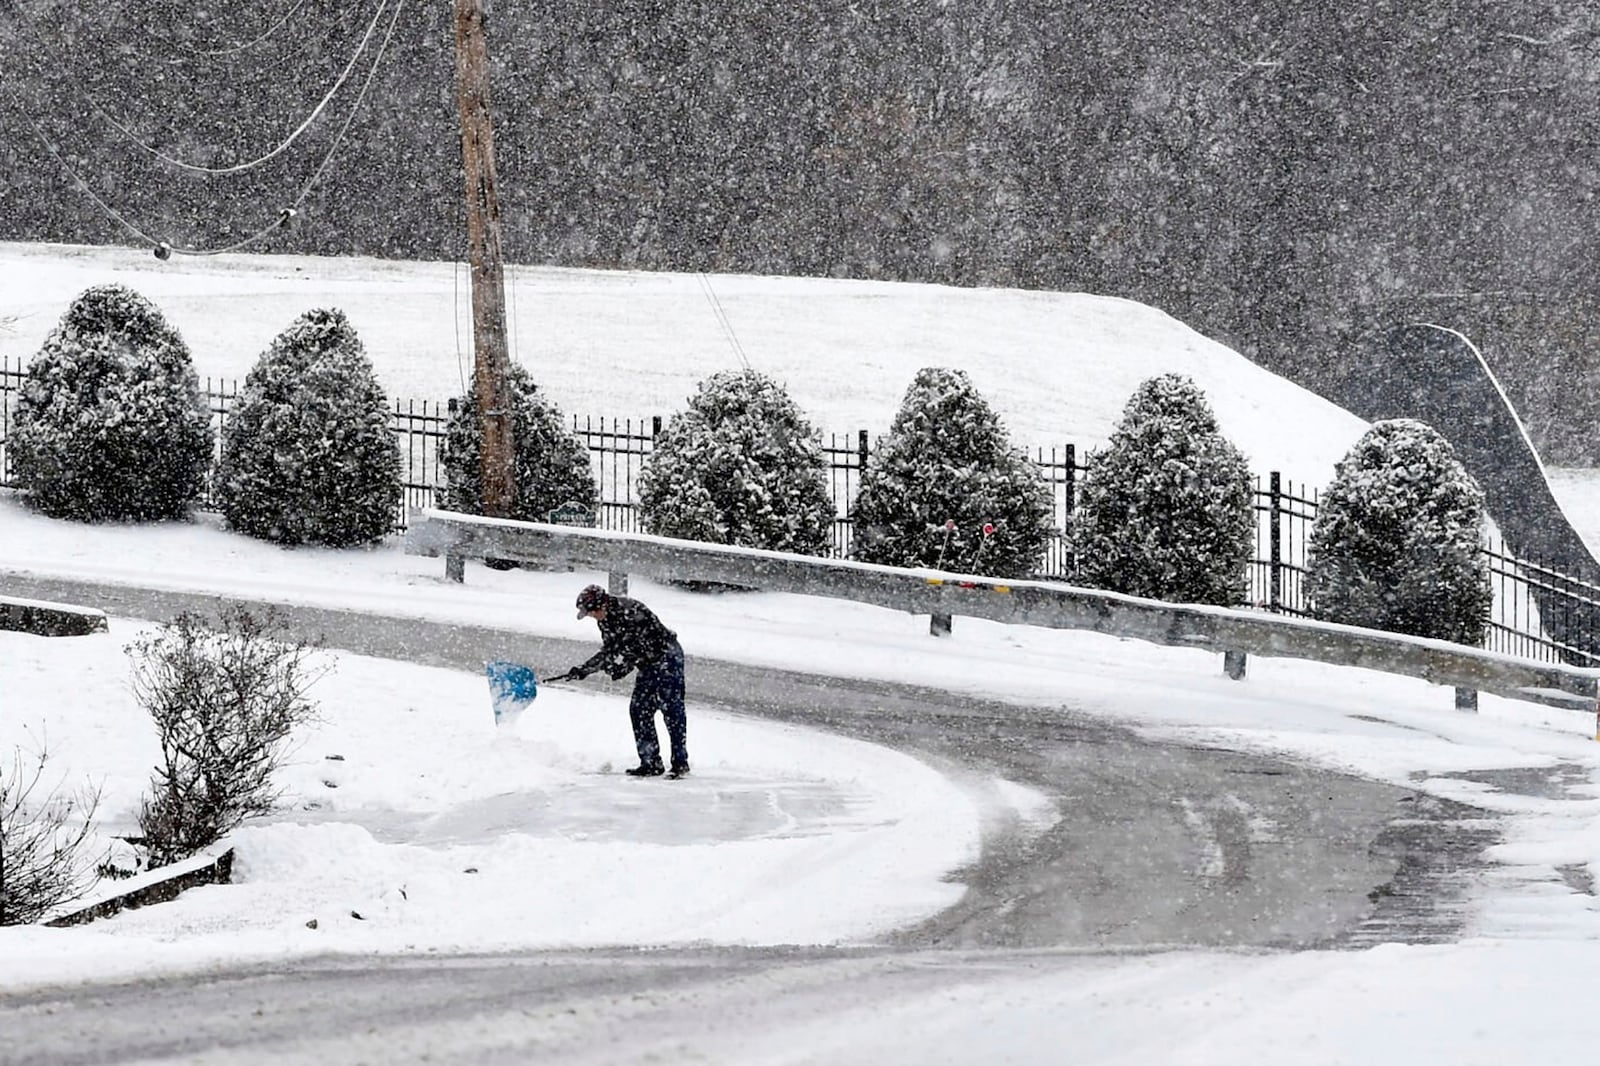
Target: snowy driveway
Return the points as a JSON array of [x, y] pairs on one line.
[[1146, 842]]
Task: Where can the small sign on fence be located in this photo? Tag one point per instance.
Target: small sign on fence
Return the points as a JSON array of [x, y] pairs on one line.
[[572, 513]]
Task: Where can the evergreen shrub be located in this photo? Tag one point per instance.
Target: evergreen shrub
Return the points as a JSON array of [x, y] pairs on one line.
[[551, 463], [109, 423], [943, 474], [741, 465], [308, 455], [1166, 509], [1396, 543]]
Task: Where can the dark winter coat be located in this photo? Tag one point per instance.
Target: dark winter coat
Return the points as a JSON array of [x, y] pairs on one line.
[[632, 637]]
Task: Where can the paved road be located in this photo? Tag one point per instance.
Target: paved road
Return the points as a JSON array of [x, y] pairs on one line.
[[570, 1008], [1158, 844]]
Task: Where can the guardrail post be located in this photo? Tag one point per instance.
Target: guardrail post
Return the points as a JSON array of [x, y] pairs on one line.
[[455, 568], [939, 625], [617, 583], [1467, 699], [1234, 664]]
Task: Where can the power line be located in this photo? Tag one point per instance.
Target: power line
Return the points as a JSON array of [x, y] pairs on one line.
[[511, 287], [285, 215], [722, 318], [163, 248], [251, 164], [455, 316], [244, 46], [355, 108], [344, 76]]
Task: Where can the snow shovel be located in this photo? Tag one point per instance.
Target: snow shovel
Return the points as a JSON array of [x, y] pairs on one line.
[[512, 686]]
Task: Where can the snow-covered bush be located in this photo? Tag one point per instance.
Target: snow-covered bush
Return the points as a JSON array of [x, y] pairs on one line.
[[741, 465], [944, 488], [224, 696], [110, 424], [1396, 543], [308, 455], [551, 463], [1166, 508]]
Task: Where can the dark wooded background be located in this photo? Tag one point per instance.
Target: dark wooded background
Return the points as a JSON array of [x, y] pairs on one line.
[[1285, 177]]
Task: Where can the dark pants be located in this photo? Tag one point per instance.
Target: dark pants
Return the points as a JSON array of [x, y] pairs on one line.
[[659, 687]]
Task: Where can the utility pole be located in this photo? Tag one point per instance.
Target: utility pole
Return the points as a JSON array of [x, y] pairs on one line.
[[490, 357]]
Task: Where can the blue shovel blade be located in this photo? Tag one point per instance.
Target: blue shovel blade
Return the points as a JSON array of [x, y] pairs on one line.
[[512, 686]]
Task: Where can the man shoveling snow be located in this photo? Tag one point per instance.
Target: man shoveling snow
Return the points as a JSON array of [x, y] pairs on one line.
[[633, 638]]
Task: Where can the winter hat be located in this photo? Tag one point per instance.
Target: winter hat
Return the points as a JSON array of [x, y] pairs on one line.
[[590, 598]]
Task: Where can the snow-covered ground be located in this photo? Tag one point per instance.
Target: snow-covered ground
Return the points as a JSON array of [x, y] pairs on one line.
[[444, 832]]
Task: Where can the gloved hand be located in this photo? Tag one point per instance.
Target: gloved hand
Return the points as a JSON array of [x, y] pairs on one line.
[[577, 673]]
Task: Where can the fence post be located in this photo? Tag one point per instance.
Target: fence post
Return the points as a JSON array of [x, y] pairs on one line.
[[1069, 557], [5, 418], [1467, 700], [861, 477], [1275, 550], [1071, 479]]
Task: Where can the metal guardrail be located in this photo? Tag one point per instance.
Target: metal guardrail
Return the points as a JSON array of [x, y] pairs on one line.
[[1231, 631], [45, 619]]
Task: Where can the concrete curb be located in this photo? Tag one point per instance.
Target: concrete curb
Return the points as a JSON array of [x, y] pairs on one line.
[[157, 886], [50, 619]]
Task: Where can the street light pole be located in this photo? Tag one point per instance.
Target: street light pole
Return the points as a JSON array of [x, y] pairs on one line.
[[491, 360]]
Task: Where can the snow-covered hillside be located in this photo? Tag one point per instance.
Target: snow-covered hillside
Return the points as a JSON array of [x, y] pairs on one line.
[[1057, 366]]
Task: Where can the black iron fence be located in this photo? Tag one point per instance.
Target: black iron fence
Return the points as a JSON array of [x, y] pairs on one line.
[[1284, 516], [618, 447]]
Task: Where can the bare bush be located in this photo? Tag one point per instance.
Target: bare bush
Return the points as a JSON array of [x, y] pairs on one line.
[[225, 698], [46, 843]]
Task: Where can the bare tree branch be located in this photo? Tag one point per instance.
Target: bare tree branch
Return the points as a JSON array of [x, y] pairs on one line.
[[45, 842]]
